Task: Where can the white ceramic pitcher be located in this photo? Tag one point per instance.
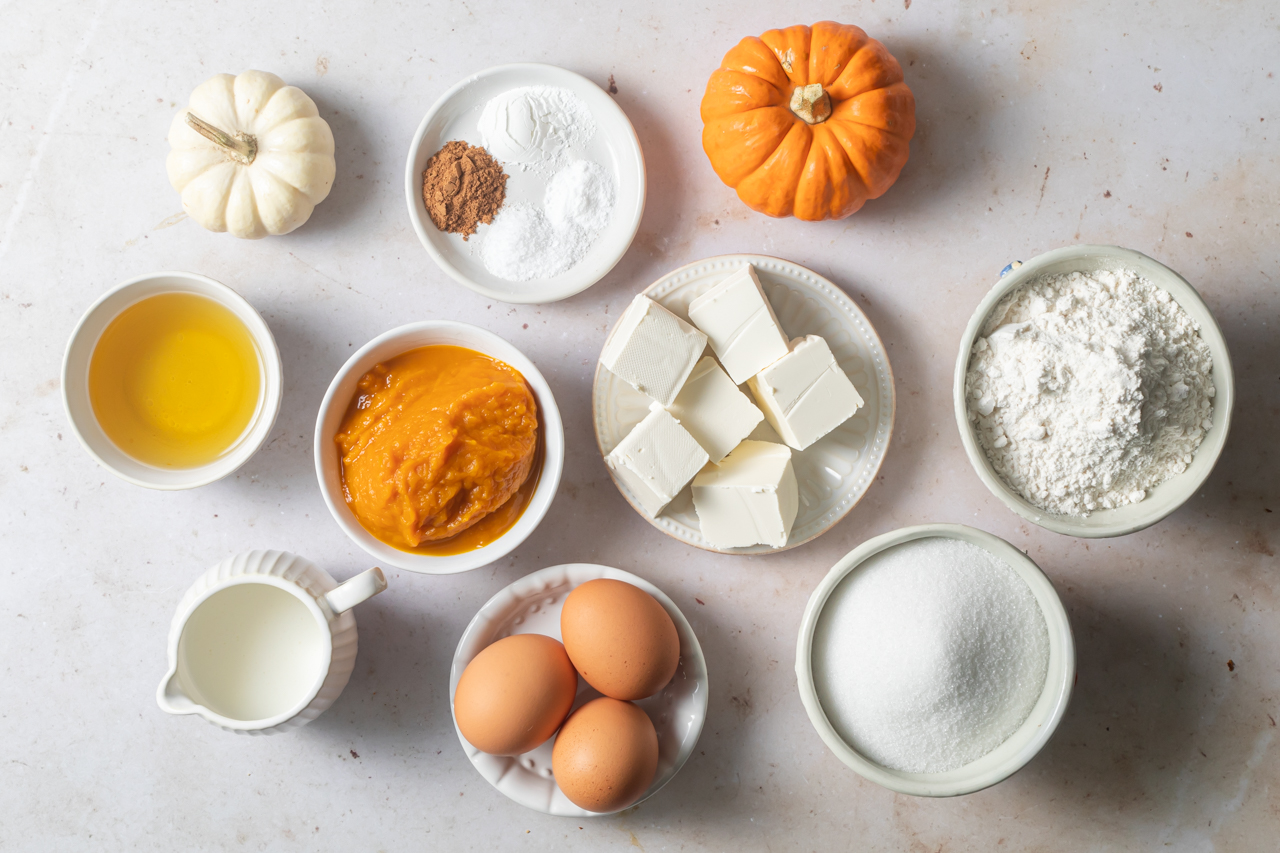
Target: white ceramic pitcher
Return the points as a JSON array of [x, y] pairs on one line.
[[263, 642]]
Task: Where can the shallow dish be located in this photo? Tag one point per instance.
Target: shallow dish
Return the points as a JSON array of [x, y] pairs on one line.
[[532, 605], [615, 146], [338, 398], [1164, 499], [1022, 745], [75, 381], [836, 471]]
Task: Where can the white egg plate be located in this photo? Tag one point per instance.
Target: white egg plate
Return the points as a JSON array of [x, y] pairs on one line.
[[833, 473], [532, 605], [614, 146]]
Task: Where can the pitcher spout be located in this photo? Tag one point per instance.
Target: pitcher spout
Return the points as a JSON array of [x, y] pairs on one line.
[[172, 699]]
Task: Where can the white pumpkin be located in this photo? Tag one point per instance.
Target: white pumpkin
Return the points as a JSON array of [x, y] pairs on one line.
[[250, 155]]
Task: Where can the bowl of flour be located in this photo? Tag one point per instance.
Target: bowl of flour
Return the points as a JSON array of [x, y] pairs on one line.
[[1093, 391]]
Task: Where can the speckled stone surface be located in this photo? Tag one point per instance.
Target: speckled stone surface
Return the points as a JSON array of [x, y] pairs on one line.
[[1152, 126]]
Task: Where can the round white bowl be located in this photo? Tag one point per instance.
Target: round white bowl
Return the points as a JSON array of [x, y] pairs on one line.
[[1169, 495], [338, 398], [532, 605], [75, 381], [615, 146], [1022, 745]]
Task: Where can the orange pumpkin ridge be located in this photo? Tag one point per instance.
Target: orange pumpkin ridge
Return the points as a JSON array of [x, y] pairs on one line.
[[780, 164]]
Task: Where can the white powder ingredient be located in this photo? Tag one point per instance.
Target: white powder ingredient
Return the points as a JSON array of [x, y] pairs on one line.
[[520, 245], [930, 655], [1088, 390], [535, 127], [525, 242], [580, 196]]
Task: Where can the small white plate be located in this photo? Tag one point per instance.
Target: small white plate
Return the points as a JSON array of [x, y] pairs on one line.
[[836, 471], [614, 146], [532, 605]]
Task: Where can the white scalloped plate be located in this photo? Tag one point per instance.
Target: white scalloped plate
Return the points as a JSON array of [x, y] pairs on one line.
[[836, 471], [531, 605]]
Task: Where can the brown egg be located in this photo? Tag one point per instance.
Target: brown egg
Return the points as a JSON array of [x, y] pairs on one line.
[[620, 638], [606, 755], [515, 694]]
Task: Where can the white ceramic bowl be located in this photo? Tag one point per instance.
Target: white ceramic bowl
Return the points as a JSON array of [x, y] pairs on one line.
[[835, 472], [75, 381], [615, 146], [338, 398], [532, 605], [1022, 745], [1169, 495]]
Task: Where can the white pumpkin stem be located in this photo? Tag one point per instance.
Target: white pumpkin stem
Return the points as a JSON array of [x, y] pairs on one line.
[[811, 103], [240, 147]]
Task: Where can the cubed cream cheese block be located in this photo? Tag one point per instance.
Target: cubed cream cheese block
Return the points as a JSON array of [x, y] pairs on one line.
[[656, 459], [714, 410], [750, 498], [805, 394], [653, 350], [741, 325]]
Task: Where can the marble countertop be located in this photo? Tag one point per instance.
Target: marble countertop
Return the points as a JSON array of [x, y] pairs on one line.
[[1150, 126]]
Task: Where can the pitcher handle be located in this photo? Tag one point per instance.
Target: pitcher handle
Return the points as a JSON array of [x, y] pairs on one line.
[[347, 595]]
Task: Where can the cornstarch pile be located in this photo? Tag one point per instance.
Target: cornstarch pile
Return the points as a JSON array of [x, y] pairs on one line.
[[930, 655], [535, 127], [1088, 390], [539, 129]]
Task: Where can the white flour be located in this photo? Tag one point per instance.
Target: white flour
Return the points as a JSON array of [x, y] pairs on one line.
[[1088, 390]]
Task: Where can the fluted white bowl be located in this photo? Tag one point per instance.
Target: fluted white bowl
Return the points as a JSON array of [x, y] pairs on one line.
[[532, 604]]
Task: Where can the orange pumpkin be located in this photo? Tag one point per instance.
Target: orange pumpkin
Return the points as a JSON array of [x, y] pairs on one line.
[[808, 121]]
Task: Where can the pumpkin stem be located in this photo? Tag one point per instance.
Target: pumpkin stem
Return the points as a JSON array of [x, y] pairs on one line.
[[811, 103], [240, 147]]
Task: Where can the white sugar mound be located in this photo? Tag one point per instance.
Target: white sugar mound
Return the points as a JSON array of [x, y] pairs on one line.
[[521, 244], [930, 655]]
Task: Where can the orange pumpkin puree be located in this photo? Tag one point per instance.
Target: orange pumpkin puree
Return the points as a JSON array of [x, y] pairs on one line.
[[438, 447]]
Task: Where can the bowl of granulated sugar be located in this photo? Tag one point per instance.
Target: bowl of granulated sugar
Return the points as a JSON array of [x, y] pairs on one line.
[[935, 660], [1093, 390]]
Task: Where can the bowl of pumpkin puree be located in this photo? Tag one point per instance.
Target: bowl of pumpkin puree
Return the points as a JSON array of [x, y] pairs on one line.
[[438, 447]]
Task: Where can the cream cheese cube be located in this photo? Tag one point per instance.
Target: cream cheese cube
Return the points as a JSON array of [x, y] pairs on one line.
[[739, 321], [714, 410], [653, 350], [750, 498], [656, 460], [805, 394]]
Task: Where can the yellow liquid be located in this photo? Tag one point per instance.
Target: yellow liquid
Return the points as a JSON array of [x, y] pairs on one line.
[[174, 380]]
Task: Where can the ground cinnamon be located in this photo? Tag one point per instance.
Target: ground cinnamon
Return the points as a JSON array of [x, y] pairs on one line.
[[462, 187]]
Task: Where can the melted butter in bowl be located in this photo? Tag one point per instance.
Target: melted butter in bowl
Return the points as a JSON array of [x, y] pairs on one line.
[[175, 380], [439, 450]]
